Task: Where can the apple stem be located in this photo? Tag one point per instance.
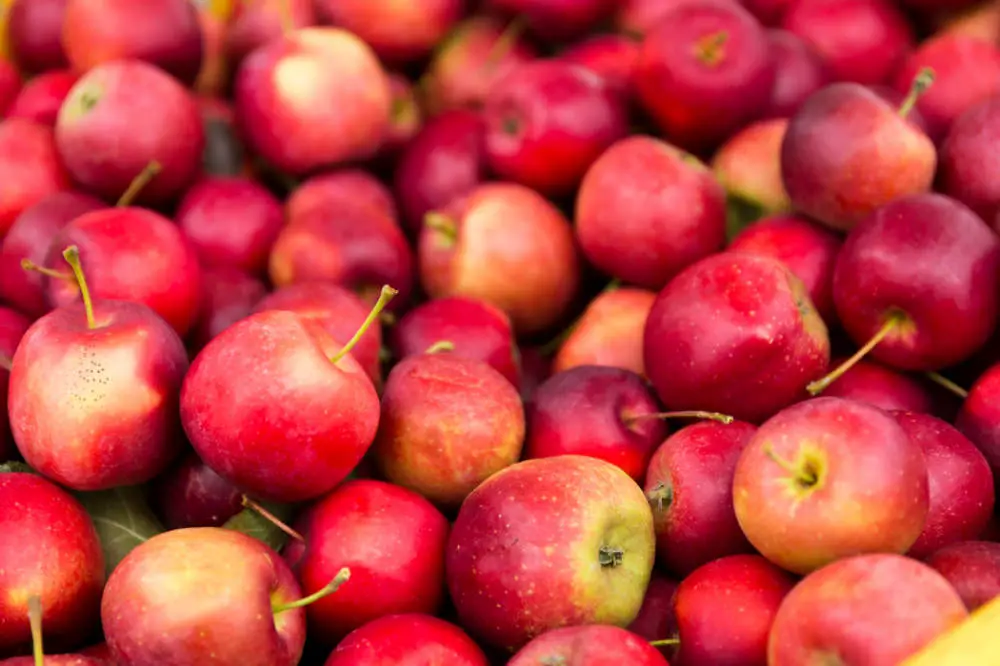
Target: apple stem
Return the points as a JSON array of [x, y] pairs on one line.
[[5, 362], [442, 224], [709, 49], [665, 642], [35, 620], [691, 414], [662, 495], [805, 477], [921, 82], [277, 522], [440, 346], [891, 323], [384, 297], [342, 577], [72, 257], [137, 184], [505, 42], [29, 265], [608, 556], [943, 381]]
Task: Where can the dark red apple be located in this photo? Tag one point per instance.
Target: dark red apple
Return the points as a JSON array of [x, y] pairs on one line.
[[13, 325], [164, 33], [546, 123], [828, 478], [895, 607], [227, 295], [882, 387], [734, 333], [724, 611], [863, 41], [768, 12], [337, 189], [30, 168], [807, 249], [314, 98], [34, 32], [254, 24], [799, 71], [555, 20], [972, 568], [979, 418], [704, 71], [231, 222], [967, 172], [448, 423], [550, 543], [589, 645], [612, 57], [474, 328], [748, 165], [41, 98], [393, 542], [473, 246], [646, 210], [689, 485], [959, 481], [655, 621], [10, 85], [407, 639], [190, 494], [161, 124], [49, 551]]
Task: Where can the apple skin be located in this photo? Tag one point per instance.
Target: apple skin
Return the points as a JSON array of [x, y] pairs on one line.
[[859, 485], [734, 333], [799, 71], [162, 124], [41, 98], [407, 639], [689, 485], [807, 249], [50, 549], [188, 595], [339, 188], [863, 41], [447, 424], [165, 33], [655, 620], [547, 121], [30, 168], [112, 419], [13, 326], [476, 330], [877, 385], [748, 165], [646, 210], [499, 230], [586, 411], [340, 312], [55, 660], [612, 57], [557, 20], [967, 172], [248, 436], [10, 85], [231, 222], [254, 24], [342, 115], [609, 332], [34, 31], [845, 131], [445, 160], [972, 568], [895, 607], [29, 238], [396, 557], [636, 18], [227, 296], [130, 254], [979, 417], [934, 260], [959, 481], [724, 611], [589, 645], [513, 579], [190, 494]]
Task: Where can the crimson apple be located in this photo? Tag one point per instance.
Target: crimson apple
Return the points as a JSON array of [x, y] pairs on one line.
[[875, 384], [799, 71], [254, 24], [41, 98], [339, 188], [13, 326], [34, 31], [407, 639], [190, 494], [557, 20], [972, 568], [590, 645], [30, 168], [227, 296]]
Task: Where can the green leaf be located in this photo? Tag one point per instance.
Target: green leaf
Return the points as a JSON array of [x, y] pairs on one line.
[[16, 466], [123, 520], [251, 523]]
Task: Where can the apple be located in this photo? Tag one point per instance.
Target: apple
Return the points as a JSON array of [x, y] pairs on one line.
[[41, 98], [316, 97], [339, 188], [407, 639], [473, 246], [636, 18], [30, 168], [227, 295], [405, 119], [13, 326], [190, 494], [254, 24], [972, 568], [34, 31], [655, 621], [748, 165], [557, 20], [965, 172], [612, 57], [896, 606], [550, 543], [799, 71], [588, 646], [882, 387], [976, 20], [646, 210], [448, 423], [49, 551], [10, 85], [393, 542], [768, 12]]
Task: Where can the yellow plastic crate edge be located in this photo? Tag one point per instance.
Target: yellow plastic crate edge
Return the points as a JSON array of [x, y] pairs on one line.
[[975, 642]]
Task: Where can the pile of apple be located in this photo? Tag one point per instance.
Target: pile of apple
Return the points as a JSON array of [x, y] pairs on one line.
[[528, 332]]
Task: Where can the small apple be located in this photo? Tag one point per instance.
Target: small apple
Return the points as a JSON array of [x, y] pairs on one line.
[[34, 28], [966, 169], [41, 98], [655, 621], [254, 24], [611, 57], [875, 384], [407, 639], [557, 20], [972, 568], [190, 494], [30, 168], [588, 645], [338, 188], [748, 165], [227, 296], [799, 71]]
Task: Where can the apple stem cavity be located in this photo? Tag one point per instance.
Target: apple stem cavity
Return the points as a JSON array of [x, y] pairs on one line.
[[72, 257], [921, 82], [609, 556], [270, 517], [893, 321], [710, 49], [665, 642], [442, 224], [29, 265], [138, 184], [440, 346], [661, 497], [384, 297], [5, 362], [342, 577], [725, 419], [805, 475], [35, 620], [946, 383]]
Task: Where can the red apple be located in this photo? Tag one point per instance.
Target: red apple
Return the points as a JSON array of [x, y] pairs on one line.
[[30, 168], [828, 478], [967, 170], [980, 20], [799, 71], [636, 18], [555, 20], [10, 85], [473, 246], [314, 98], [338, 188], [655, 621], [165, 33], [227, 295], [768, 12], [407, 639], [748, 165], [41, 98], [447, 424], [550, 543], [50, 551], [160, 124], [979, 418], [190, 494], [256, 23], [877, 385], [590, 645], [972, 568], [34, 31], [13, 326], [646, 210], [612, 57], [390, 538], [895, 607]]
